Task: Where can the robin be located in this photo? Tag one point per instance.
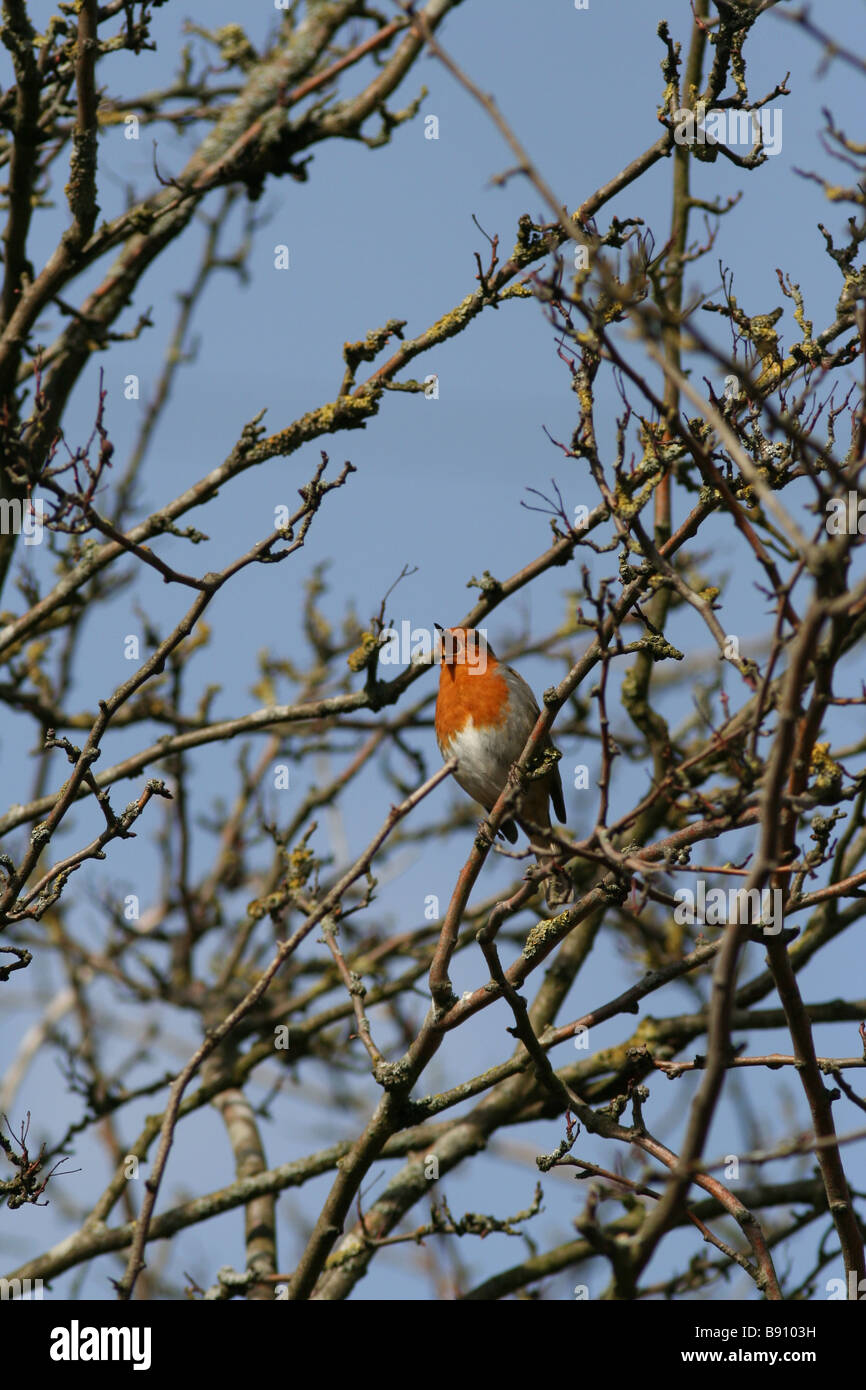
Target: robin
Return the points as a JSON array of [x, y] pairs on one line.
[[485, 713]]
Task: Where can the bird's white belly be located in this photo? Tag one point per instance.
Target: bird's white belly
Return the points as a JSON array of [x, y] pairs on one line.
[[483, 760]]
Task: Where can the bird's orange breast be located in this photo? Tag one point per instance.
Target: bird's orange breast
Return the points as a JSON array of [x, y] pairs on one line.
[[463, 695]]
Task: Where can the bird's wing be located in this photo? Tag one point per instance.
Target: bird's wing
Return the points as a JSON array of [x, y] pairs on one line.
[[521, 688]]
